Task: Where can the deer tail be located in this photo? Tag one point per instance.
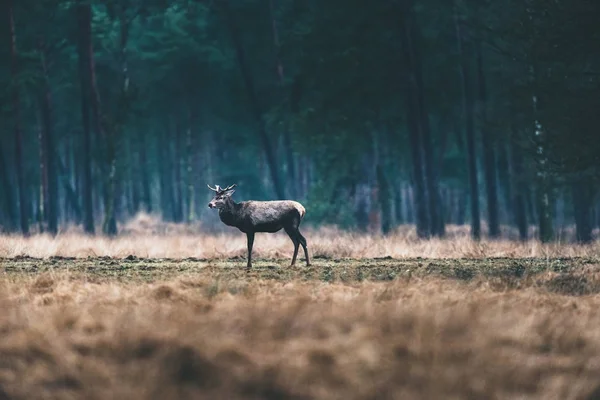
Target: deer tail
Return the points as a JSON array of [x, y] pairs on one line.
[[301, 210]]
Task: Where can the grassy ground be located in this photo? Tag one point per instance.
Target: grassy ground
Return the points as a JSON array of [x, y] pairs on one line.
[[569, 276], [99, 328]]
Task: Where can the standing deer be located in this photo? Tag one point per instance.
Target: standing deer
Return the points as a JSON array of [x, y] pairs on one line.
[[260, 216]]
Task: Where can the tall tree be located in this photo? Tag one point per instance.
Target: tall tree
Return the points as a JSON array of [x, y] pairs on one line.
[[489, 154], [7, 195], [413, 115], [51, 170], [467, 114], [85, 57], [292, 100], [18, 134], [519, 190], [255, 105]]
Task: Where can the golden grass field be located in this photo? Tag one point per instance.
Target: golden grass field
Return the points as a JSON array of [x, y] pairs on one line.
[[176, 316]]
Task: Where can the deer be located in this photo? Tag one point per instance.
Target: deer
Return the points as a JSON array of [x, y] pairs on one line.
[[254, 216]]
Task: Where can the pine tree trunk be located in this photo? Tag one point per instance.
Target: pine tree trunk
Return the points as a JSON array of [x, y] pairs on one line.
[[115, 130], [178, 214], [70, 193], [42, 205], [287, 137], [189, 149], [86, 68], [399, 217], [433, 196], [430, 195], [420, 206], [583, 198], [489, 156], [461, 207], [254, 101], [21, 189], [51, 211], [133, 177], [8, 207], [414, 120], [543, 196], [503, 167], [384, 200], [163, 156], [145, 174], [467, 107], [519, 192]]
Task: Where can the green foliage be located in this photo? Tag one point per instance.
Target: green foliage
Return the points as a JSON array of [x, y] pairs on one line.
[[329, 76]]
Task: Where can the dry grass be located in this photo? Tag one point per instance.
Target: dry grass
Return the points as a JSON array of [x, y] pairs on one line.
[[215, 336], [168, 312], [146, 236]]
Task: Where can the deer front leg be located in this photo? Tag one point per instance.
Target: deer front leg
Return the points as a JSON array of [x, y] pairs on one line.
[[250, 236]]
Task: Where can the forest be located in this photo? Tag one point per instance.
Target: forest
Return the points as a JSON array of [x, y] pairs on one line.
[[373, 114]]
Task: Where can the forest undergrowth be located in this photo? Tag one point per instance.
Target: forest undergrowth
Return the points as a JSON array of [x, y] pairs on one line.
[[147, 236]]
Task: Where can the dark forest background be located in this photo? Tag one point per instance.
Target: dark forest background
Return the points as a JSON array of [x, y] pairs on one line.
[[373, 114]]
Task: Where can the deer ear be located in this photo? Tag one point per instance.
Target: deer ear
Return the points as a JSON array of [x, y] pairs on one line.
[[229, 192]]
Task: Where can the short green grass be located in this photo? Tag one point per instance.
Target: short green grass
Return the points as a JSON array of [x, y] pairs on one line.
[[568, 275]]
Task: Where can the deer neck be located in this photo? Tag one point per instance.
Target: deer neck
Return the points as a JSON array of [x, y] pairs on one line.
[[229, 214]]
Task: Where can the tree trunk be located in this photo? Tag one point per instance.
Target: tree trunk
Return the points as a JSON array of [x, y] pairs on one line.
[[70, 193], [467, 107], [519, 192], [461, 207], [189, 147], [21, 189], [399, 217], [287, 137], [162, 156], [8, 206], [145, 174], [42, 205], [254, 102], [413, 114], [51, 209], [133, 177], [489, 156], [107, 154], [503, 168], [384, 200], [543, 199], [178, 212], [431, 196], [115, 130], [420, 205], [436, 221], [85, 56]]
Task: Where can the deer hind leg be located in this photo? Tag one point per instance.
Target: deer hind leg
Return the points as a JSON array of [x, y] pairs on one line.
[[304, 246], [293, 234]]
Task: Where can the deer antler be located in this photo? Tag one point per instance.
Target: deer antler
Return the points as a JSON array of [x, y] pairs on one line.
[[229, 187], [215, 189]]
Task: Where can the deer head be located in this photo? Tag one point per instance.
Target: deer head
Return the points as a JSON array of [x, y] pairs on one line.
[[221, 195]]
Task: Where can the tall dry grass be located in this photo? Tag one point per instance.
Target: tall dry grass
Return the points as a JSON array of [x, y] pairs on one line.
[[64, 337], [147, 236]]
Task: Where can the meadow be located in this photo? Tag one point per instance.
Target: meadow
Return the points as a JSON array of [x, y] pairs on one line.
[[174, 314]]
